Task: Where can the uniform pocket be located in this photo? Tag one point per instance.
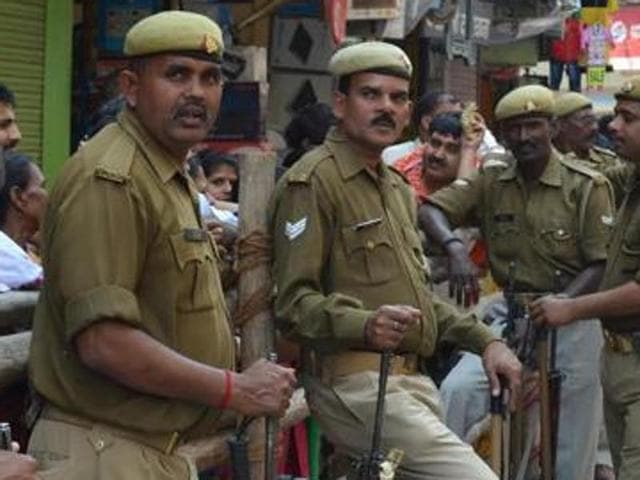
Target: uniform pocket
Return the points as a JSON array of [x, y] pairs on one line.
[[560, 241], [194, 265], [504, 239], [370, 254]]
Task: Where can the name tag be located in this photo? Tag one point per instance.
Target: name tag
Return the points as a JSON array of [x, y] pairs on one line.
[[195, 235]]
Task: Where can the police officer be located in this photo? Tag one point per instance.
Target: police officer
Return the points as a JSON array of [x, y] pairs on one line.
[[351, 280], [546, 215], [132, 352], [576, 132], [617, 303]]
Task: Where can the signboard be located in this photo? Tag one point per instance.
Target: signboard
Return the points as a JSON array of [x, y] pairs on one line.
[[625, 33], [373, 9]]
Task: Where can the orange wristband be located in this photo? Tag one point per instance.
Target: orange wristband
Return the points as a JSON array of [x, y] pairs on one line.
[[228, 390]]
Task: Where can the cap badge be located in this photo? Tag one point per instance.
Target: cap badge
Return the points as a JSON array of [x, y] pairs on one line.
[[530, 106], [208, 43], [627, 87]]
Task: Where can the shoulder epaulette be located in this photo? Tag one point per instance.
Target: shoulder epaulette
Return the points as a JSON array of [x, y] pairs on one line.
[[303, 169], [399, 174], [605, 151], [583, 167], [496, 160], [116, 159]]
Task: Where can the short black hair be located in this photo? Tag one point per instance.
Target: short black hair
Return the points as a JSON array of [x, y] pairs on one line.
[[428, 103], [447, 123], [17, 174], [7, 96]]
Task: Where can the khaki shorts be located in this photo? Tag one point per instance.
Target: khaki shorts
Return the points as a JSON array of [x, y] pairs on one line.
[[71, 452]]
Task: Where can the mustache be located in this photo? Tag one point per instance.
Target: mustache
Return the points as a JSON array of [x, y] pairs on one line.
[[523, 145], [383, 120], [192, 109]]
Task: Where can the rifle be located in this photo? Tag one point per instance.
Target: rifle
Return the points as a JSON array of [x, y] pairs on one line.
[[5, 436], [239, 451], [370, 465]]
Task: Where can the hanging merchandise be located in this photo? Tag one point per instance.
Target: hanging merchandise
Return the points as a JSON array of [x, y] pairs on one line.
[[596, 41], [597, 11]]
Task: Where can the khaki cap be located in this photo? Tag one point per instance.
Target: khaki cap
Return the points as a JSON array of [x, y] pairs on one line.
[[175, 31], [569, 103], [365, 56], [630, 89], [527, 100]]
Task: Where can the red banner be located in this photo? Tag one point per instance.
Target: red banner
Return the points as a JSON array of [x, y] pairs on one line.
[[625, 33], [336, 13]]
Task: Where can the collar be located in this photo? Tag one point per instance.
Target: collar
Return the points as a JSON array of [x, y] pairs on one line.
[[348, 159], [551, 176], [164, 164]]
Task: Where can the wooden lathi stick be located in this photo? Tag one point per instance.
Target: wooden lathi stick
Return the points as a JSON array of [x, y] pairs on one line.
[[257, 180]]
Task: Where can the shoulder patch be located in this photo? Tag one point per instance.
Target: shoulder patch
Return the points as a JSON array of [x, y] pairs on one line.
[[583, 167], [116, 159], [303, 169]]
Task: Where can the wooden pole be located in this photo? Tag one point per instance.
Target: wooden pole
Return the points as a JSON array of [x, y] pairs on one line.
[[257, 180], [14, 354]]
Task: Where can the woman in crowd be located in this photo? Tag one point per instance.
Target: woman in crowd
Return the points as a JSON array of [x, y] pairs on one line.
[[23, 201]]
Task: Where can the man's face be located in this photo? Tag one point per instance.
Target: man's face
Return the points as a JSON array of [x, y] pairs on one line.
[[625, 129], [441, 158], [375, 111], [580, 129], [9, 132], [528, 138], [176, 98]]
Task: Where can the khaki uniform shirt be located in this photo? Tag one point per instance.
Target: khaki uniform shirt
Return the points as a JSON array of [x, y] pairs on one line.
[[600, 159], [559, 223], [623, 263], [345, 242], [123, 240]]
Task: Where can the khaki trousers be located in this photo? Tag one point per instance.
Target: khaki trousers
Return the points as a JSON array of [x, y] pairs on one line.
[[70, 452], [412, 423], [621, 385]]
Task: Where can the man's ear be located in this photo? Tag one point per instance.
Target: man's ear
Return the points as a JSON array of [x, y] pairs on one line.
[[339, 104], [16, 198], [129, 84], [423, 127]]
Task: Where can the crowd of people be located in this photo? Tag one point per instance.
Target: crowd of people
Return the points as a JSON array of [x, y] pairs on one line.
[[132, 352]]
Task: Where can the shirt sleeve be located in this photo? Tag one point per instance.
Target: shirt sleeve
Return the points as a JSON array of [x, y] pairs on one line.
[[95, 255], [464, 331], [302, 226], [461, 201], [597, 215]]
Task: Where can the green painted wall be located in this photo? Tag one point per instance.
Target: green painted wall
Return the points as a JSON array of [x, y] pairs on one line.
[[56, 106]]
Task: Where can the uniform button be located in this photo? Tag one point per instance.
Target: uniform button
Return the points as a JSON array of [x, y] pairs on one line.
[[99, 445], [370, 244]]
